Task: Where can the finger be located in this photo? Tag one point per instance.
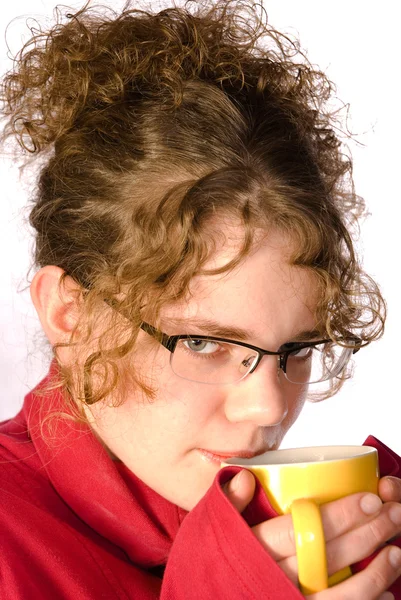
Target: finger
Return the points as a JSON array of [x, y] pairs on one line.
[[361, 542], [370, 583], [277, 536], [338, 517], [390, 489], [240, 489], [357, 544], [345, 514]]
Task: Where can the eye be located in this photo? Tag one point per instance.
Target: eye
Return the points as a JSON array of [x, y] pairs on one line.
[[302, 352], [201, 346]]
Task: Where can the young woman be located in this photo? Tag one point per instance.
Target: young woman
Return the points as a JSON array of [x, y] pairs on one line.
[[197, 282]]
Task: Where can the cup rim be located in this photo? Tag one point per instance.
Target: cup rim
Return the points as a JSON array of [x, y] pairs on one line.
[[276, 458]]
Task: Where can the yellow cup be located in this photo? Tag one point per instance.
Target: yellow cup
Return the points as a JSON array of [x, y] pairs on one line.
[[297, 481]]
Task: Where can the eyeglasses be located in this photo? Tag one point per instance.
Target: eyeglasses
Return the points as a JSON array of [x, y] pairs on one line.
[[214, 360]]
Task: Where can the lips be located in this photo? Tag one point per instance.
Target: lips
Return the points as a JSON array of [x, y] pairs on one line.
[[219, 456]]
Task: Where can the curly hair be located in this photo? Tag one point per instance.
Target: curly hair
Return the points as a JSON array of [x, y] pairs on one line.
[[154, 124]]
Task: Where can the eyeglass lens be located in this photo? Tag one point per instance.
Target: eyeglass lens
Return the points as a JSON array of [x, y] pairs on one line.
[[209, 361]]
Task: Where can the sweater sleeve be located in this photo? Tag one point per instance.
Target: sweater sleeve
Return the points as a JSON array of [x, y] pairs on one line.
[[389, 464], [215, 550], [216, 555]]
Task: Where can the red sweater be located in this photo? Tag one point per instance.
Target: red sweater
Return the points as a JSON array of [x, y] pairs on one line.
[[76, 525]]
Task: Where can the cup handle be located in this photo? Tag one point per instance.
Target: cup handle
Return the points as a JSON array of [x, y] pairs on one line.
[[311, 549], [310, 546]]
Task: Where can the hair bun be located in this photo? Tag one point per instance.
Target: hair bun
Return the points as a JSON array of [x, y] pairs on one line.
[[90, 61]]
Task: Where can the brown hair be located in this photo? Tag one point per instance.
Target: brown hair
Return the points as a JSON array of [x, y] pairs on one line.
[[153, 124]]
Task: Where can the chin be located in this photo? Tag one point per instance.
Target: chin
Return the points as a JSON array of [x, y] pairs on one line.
[[195, 493]]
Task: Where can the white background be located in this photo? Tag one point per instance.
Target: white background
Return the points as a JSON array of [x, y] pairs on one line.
[[356, 44]]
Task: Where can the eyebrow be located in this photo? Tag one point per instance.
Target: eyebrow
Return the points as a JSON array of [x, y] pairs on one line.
[[213, 328]]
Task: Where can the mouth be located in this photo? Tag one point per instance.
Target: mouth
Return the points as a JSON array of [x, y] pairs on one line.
[[218, 457]]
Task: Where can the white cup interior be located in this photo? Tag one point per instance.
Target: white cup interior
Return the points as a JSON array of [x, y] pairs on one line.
[[302, 455]]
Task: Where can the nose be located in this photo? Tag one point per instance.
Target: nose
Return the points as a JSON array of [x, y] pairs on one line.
[[261, 397]]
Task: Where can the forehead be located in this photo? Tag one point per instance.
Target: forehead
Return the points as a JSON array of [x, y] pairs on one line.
[[264, 294]]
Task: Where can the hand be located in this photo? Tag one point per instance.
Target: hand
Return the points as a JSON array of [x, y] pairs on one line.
[[354, 527], [390, 489]]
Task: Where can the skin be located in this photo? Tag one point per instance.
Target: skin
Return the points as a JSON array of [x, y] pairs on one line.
[[354, 527], [160, 441]]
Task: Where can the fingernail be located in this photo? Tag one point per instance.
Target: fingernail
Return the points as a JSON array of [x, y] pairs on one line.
[[395, 515], [234, 484], [387, 596], [370, 504], [394, 557]]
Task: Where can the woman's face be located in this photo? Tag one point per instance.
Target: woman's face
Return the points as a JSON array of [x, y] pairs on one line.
[[171, 442]]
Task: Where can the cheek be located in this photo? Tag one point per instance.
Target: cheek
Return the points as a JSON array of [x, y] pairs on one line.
[[174, 418], [178, 395], [188, 402], [296, 400]]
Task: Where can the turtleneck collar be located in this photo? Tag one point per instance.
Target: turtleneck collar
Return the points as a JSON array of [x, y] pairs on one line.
[[104, 493]]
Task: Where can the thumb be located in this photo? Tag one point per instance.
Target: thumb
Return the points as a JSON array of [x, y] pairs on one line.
[[240, 489]]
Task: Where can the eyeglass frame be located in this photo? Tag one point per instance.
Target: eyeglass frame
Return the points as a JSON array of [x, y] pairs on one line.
[[170, 342]]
